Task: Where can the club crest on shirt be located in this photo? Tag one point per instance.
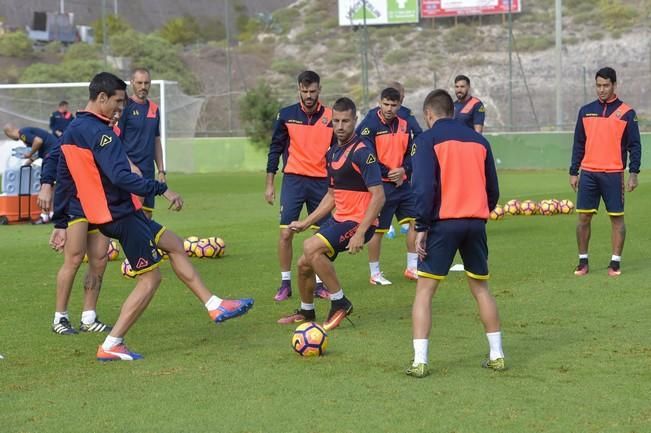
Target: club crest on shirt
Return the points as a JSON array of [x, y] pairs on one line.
[[482, 109], [106, 139], [413, 149], [618, 113], [371, 159], [324, 120], [366, 131]]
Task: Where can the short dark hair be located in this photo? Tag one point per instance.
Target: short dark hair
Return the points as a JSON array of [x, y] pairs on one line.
[[461, 78], [140, 69], [344, 104], [607, 73], [390, 93], [440, 102], [105, 82], [308, 77], [62, 103]]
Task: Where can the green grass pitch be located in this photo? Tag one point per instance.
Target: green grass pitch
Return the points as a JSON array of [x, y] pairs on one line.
[[578, 348]]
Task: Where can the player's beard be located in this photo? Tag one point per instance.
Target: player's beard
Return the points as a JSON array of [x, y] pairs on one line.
[[461, 96], [311, 104]]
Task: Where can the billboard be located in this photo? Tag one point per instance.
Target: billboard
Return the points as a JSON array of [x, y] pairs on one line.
[[451, 8], [378, 12]]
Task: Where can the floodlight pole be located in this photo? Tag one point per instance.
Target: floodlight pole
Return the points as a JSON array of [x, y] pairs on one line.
[[228, 66], [104, 36], [510, 68], [163, 122], [559, 46], [364, 58]]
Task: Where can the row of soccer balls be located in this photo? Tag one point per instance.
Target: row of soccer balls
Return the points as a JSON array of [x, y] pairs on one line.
[[530, 207]]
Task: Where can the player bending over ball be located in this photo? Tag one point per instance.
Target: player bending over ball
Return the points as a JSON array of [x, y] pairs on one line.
[[357, 195]]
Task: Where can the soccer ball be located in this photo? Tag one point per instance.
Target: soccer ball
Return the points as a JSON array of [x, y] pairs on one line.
[[547, 207], [126, 269], [528, 208], [557, 205], [113, 251], [204, 249], [189, 243], [497, 213], [219, 245], [512, 207], [566, 207], [309, 339]]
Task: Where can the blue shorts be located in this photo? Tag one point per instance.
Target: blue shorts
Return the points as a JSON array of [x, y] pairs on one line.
[[138, 236], [596, 185], [336, 235], [468, 236], [399, 202], [92, 228], [297, 190]]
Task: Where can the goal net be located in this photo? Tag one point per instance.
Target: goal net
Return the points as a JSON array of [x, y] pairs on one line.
[[32, 104]]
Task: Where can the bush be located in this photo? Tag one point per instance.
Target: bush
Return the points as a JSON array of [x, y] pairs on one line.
[[395, 57], [82, 51], [114, 26], [287, 67], [528, 43], [258, 112], [616, 16], [67, 71], [285, 18], [15, 44], [180, 30]]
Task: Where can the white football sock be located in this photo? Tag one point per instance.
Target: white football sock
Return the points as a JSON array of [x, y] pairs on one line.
[[337, 296], [213, 303], [412, 260], [615, 258], [374, 267], [59, 315], [286, 275], [318, 280], [583, 256], [305, 306], [111, 341], [420, 350], [88, 317], [495, 345]]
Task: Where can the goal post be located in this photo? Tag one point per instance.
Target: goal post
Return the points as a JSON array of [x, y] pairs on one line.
[[32, 104]]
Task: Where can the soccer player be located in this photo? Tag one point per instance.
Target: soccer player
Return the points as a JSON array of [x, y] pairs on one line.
[[467, 109], [302, 135], [391, 139], [455, 183], [60, 119], [606, 131], [404, 112], [356, 194], [82, 238], [38, 140], [414, 129], [94, 167], [139, 130]]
